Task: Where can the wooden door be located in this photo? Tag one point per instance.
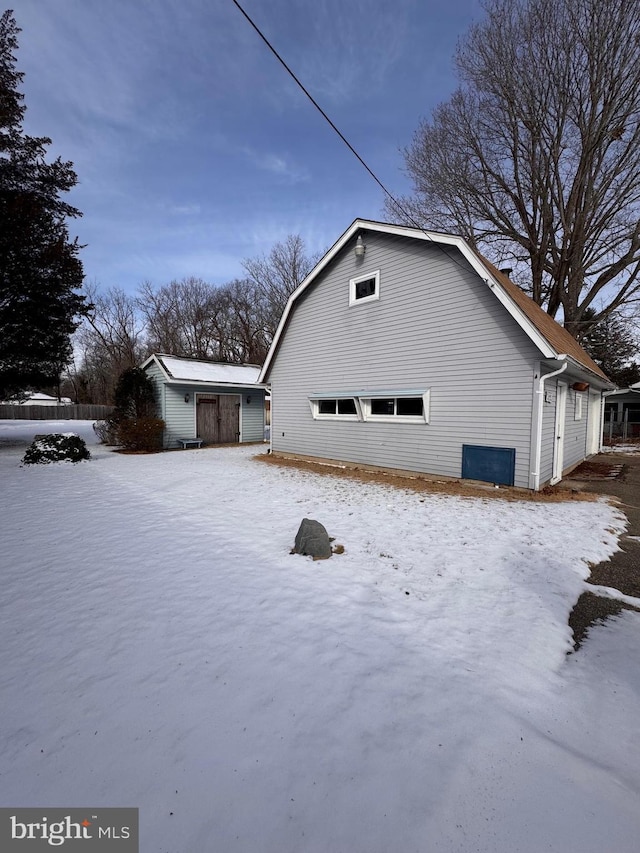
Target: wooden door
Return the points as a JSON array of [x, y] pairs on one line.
[[207, 418], [228, 418], [218, 418]]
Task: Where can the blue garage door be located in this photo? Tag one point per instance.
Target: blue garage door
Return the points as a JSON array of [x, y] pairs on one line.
[[491, 464]]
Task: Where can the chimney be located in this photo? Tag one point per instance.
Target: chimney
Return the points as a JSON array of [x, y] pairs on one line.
[[506, 271]]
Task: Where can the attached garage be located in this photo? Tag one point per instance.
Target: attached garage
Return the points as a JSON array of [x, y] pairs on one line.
[[215, 402]]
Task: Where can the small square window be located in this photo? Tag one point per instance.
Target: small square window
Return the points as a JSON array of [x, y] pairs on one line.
[[365, 288]]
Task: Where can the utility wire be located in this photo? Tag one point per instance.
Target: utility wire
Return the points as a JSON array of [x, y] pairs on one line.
[[327, 119], [399, 206]]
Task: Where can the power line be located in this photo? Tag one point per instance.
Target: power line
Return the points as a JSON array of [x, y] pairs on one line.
[[399, 206], [327, 119]]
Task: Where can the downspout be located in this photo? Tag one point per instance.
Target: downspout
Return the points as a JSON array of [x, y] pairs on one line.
[[534, 479]]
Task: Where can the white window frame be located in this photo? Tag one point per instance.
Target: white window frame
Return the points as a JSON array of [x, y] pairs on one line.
[[364, 299], [367, 415], [577, 412], [317, 415]]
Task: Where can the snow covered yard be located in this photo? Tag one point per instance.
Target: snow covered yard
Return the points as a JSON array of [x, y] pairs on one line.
[[161, 648]]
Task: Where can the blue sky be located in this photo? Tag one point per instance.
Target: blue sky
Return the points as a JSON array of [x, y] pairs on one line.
[[193, 147]]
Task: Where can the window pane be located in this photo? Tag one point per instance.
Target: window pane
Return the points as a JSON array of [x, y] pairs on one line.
[[327, 407], [365, 288], [346, 407], [410, 406], [382, 407]]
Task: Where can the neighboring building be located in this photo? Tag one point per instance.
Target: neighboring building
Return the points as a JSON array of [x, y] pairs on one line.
[[219, 403], [35, 398], [406, 350], [622, 413]]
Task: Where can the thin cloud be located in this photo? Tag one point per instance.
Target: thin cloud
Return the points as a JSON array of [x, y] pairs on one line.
[[278, 165]]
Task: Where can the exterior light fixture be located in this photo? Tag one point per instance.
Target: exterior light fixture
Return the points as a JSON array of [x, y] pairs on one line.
[[248, 400], [186, 397], [360, 247]]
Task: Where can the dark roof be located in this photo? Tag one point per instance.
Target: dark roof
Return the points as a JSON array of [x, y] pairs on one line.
[[553, 332]]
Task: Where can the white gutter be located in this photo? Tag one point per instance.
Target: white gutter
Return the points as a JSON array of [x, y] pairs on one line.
[[534, 477]]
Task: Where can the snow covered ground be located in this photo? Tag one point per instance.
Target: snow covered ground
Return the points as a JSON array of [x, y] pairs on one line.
[[161, 648]]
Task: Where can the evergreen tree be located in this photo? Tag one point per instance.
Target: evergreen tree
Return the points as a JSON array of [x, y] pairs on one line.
[[614, 345], [135, 395], [40, 271]]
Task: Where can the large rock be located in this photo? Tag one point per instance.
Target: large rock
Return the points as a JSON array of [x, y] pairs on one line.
[[312, 540]]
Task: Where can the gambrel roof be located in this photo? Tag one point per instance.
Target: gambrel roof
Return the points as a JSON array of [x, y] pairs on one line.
[[552, 340]]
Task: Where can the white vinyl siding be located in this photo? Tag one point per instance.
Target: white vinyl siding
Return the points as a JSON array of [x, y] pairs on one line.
[[157, 377], [437, 326], [252, 416]]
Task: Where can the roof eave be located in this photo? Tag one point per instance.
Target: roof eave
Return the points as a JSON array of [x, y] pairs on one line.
[[219, 384], [156, 360]]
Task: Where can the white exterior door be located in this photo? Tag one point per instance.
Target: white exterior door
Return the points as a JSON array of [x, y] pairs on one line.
[[558, 444], [594, 427]]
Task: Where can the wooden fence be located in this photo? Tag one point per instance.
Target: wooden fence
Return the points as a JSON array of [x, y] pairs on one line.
[[82, 412]]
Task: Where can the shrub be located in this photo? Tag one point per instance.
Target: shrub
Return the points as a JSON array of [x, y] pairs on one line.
[[57, 447], [142, 434], [107, 431]]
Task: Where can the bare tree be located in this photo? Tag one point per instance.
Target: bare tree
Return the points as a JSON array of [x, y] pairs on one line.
[[249, 315], [110, 341], [277, 275], [180, 317], [534, 158]]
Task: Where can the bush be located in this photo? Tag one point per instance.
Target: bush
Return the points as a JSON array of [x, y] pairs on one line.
[[142, 434], [57, 447], [107, 431]]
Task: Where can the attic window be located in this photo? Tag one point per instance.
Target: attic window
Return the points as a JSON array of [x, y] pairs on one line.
[[364, 288]]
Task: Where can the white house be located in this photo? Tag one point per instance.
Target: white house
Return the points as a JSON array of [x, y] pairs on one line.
[[36, 398], [406, 350]]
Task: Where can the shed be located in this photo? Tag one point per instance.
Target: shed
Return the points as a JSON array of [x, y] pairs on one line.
[[217, 402], [404, 349]]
